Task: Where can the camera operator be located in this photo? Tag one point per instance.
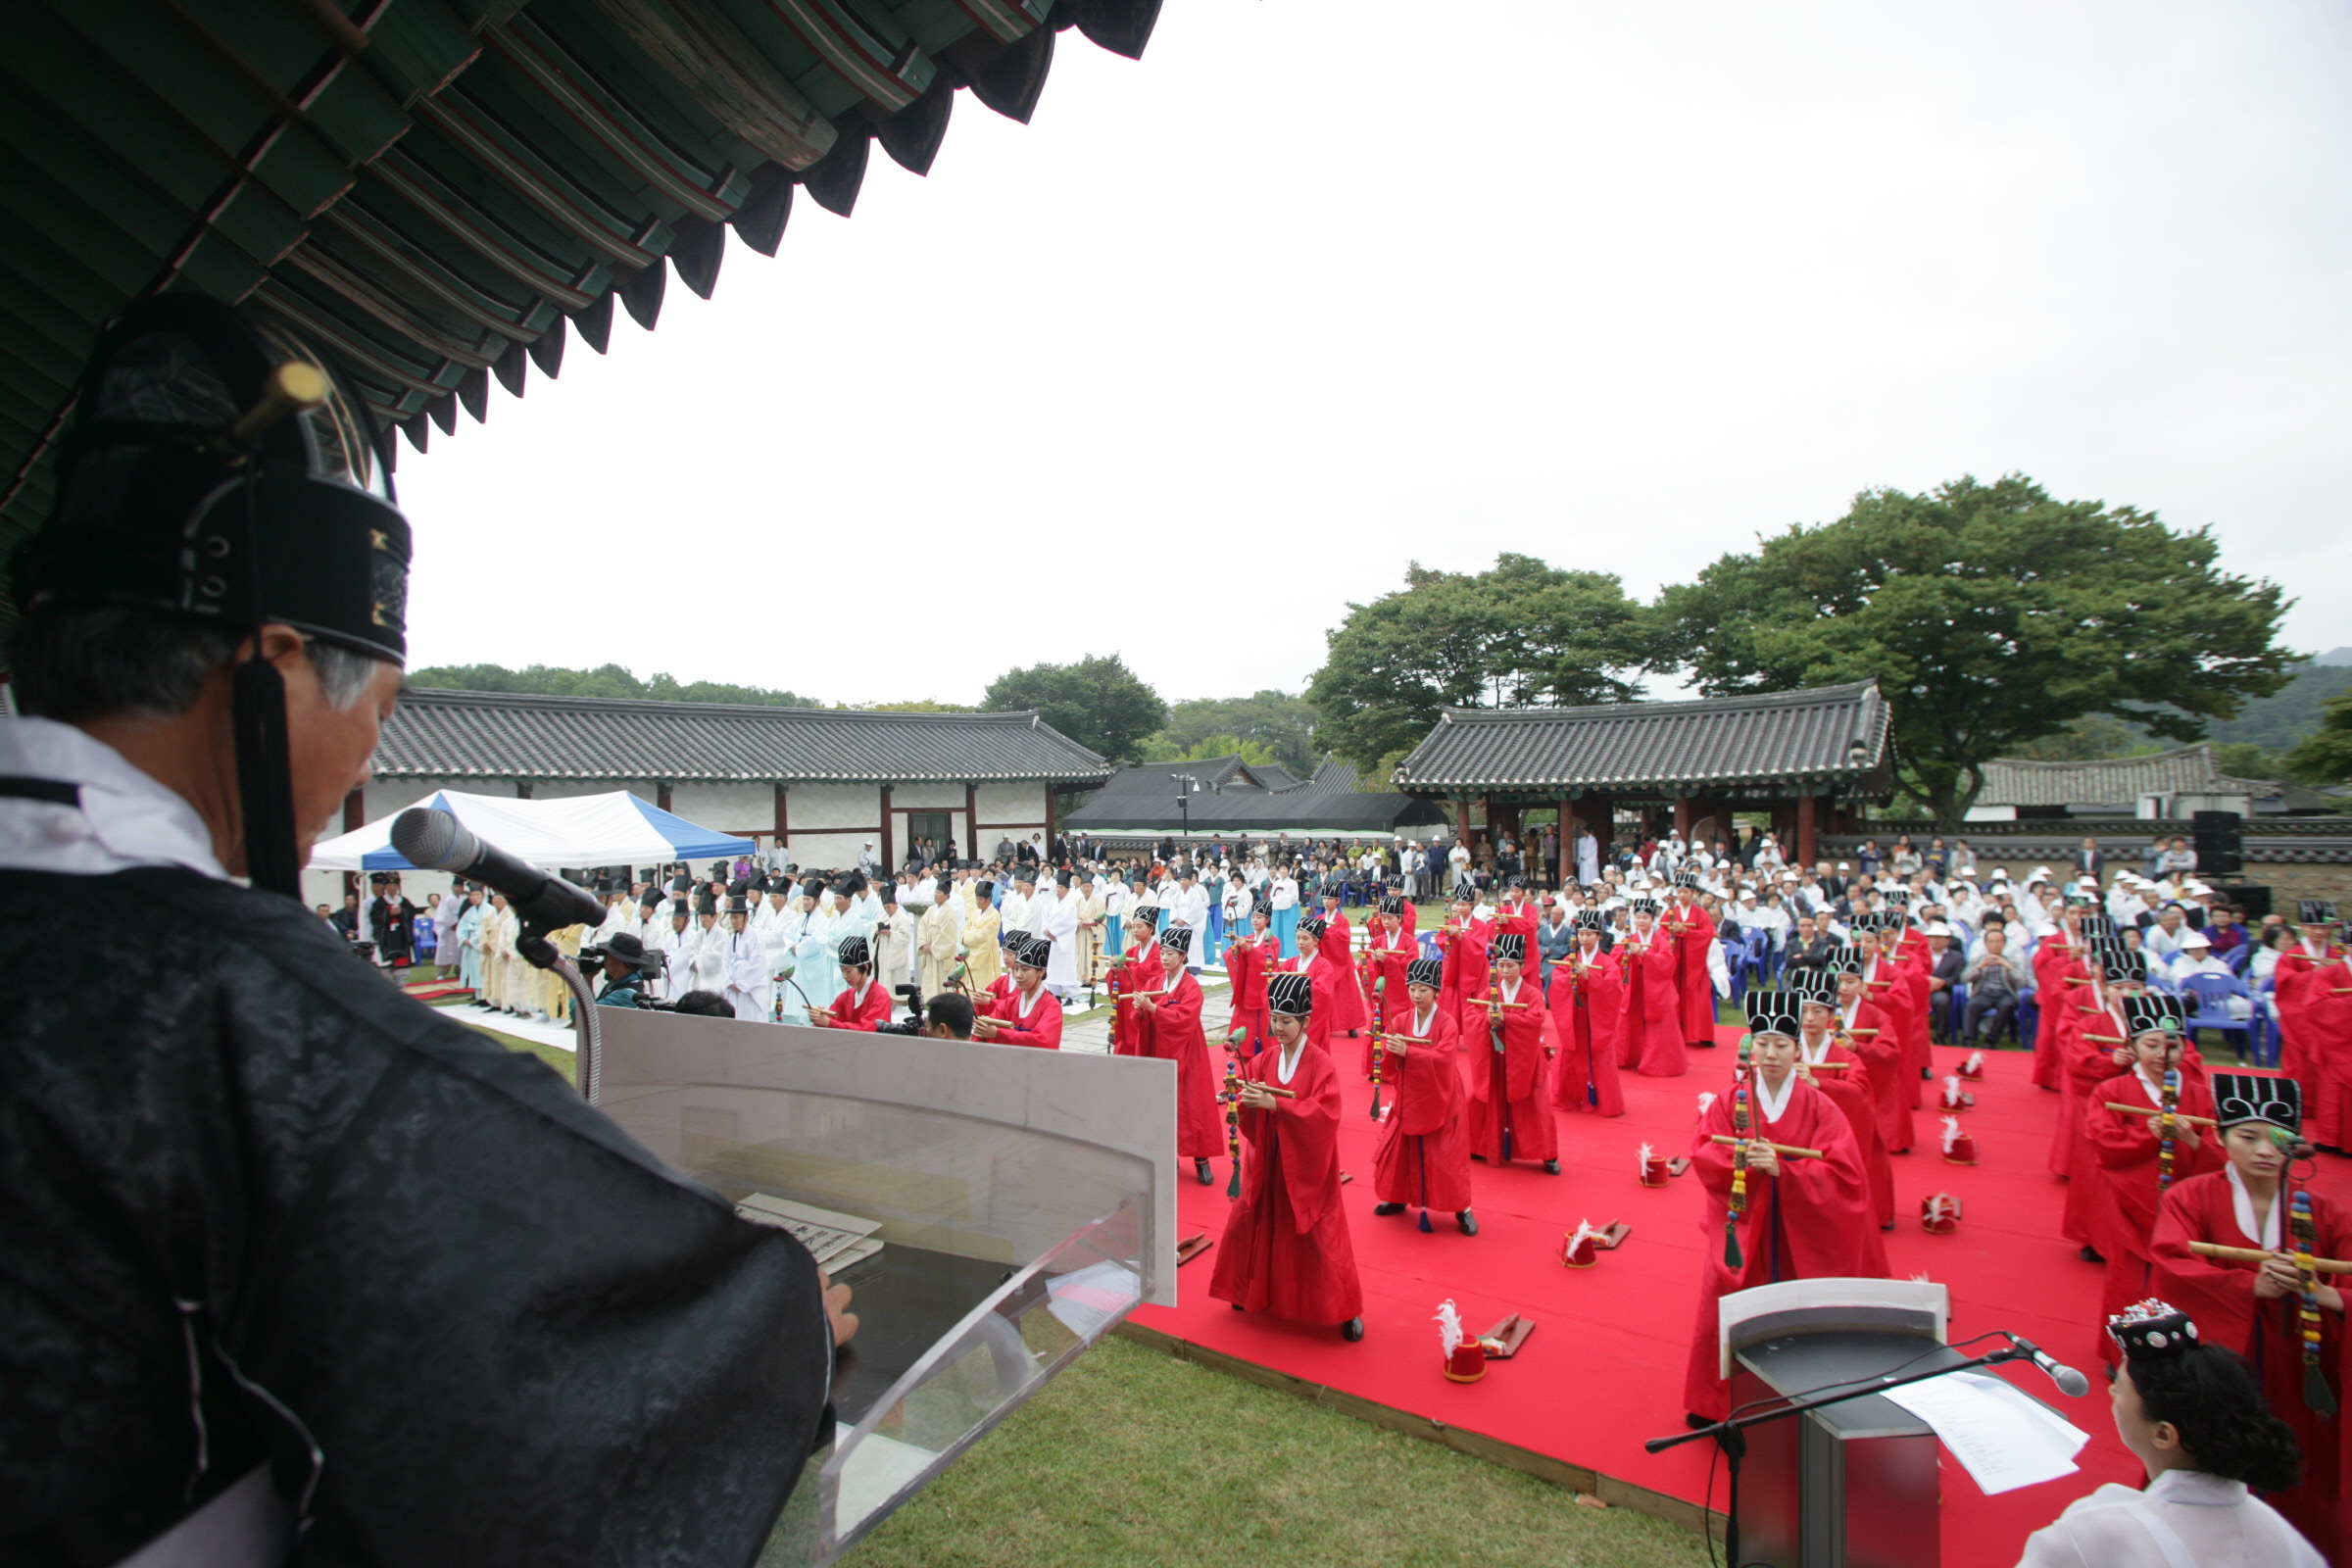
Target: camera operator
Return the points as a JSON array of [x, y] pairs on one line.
[[948, 1016], [281, 1246], [631, 972]]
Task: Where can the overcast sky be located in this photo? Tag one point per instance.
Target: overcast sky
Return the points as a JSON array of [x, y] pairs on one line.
[[1229, 334]]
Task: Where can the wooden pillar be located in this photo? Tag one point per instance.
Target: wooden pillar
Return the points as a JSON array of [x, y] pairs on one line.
[[1604, 824], [1682, 815], [889, 859], [1049, 854], [355, 816], [783, 814], [971, 821], [662, 800], [1808, 806], [522, 789]]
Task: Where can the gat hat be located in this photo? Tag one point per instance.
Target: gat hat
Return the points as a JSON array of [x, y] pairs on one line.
[[2154, 1012], [1772, 1012], [1510, 947], [1030, 951], [705, 904], [850, 885], [2151, 1330], [1291, 994], [1429, 972], [854, 954], [2254, 1097]]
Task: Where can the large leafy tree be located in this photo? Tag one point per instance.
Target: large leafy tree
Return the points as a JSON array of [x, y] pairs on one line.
[[1096, 702], [2326, 756], [1521, 633], [606, 680], [1992, 616], [1282, 724], [1159, 749]]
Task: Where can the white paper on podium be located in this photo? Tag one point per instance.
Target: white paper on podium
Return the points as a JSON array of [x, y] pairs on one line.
[[2002, 1438]]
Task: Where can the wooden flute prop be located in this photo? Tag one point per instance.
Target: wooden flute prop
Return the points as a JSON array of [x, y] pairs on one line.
[[1276, 1089], [2154, 1115], [1791, 1149], [2255, 1254], [2304, 1226]]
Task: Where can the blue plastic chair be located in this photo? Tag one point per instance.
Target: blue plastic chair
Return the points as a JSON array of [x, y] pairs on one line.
[[1756, 952], [2212, 1010], [2268, 1038], [2238, 957], [2026, 1019]]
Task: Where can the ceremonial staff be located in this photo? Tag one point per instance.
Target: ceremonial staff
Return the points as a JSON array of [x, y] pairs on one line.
[[1741, 1128], [1380, 1022], [2168, 1119], [2315, 1393]]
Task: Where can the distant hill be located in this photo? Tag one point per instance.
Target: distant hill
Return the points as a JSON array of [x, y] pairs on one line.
[[2291, 714], [2336, 656], [608, 680]]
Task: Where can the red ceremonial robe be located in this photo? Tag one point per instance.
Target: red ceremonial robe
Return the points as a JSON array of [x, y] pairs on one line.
[[1317, 970], [1346, 992], [1285, 1250], [1853, 1093], [1588, 1013], [1910, 954], [1139, 974], [1888, 984], [1423, 1157], [2218, 1295], [2088, 1053], [2124, 1154], [1650, 1039], [1041, 1026], [1387, 958], [1812, 1221], [2315, 1032], [1171, 1031], [1465, 983], [2056, 977], [1870, 1034], [1246, 968], [1510, 1114], [867, 1013], [1693, 930]]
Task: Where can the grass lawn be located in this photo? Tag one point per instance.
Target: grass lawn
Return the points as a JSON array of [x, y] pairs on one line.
[[1133, 1457]]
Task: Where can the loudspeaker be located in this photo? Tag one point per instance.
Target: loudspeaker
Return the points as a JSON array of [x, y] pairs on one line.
[[2252, 898], [2221, 847]]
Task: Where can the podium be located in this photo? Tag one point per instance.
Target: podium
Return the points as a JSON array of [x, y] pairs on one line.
[[1851, 1485], [1025, 1201]]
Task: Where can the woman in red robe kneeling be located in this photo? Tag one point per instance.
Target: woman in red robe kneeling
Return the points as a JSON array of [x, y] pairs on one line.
[[1285, 1250], [1424, 1152], [1800, 1216]]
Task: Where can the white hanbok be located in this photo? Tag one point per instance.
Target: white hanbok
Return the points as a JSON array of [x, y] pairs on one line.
[[749, 990], [2184, 1519], [1061, 929]]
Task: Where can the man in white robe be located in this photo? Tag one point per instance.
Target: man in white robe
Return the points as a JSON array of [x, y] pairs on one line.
[[1192, 909], [1060, 927], [749, 989], [937, 936], [710, 965]]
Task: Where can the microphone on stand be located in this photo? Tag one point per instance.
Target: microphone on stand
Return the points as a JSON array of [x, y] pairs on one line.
[[433, 840], [2070, 1382]]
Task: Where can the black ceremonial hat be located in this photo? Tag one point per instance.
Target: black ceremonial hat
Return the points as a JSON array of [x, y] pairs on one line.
[[1178, 937], [648, 898], [1291, 994], [1772, 1012], [1429, 972], [1592, 920], [2153, 1329], [604, 885], [707, 904], [1815, 984], [2124, 966], [1845, 960], [852, 953], [2097, 928], [1510, 944], [2254, 1097], [1643, 906], [2152, 1012], [1686, 879], [2316, 912], [1392, 905], [1896, 897], [850, 885], [1030, 952], [1314, 925]]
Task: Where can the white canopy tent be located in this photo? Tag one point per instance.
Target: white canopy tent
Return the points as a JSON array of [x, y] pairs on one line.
[[613, 829]]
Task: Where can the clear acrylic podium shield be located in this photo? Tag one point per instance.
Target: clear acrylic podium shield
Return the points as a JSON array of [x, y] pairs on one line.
[[1026, 1204], [1853, 1485]]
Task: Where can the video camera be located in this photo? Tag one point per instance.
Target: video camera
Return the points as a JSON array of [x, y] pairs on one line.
[[652, 963], [913, 1023]]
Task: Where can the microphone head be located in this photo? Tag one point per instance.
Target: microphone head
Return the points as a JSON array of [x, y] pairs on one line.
[[433, 840], [2070, 1382]]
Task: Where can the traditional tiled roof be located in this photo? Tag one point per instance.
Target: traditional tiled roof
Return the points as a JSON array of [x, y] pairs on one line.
[[1828, 735], [443, 190], [1143, 799], [440, 734], [2183, 771], [1154, 779]]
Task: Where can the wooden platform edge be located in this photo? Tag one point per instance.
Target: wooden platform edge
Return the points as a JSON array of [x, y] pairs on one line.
[[1610, 1490]]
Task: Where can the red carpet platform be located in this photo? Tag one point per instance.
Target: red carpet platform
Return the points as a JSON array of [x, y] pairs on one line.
[[1604, 1368]]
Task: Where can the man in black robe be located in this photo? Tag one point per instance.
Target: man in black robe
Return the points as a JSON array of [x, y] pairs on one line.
[[270, 1232]]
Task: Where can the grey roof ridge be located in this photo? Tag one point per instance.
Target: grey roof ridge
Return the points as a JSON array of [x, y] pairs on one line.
[[1790, 699], [2041, 766], [1025, 717]]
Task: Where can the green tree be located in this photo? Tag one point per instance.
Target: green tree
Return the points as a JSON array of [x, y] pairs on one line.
[[1096, 702], [1380, 777], [2326, 757], [1159, 749], [2092, 738], [1992, 616], [606, 680], [1521, 633], [1281, 723], [2243, 759]]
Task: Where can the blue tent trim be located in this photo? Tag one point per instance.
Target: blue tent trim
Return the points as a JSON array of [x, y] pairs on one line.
[[687, 840], [389, 859]]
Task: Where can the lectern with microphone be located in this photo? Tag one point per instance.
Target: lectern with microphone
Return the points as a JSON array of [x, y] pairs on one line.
[[1826, 1472]]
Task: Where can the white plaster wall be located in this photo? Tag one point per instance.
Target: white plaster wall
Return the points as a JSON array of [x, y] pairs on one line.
[[1011, 803], [928, 797], [817, 807], [834, 851], [726, 807]]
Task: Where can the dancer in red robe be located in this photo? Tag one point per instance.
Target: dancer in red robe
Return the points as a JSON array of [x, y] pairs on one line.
[[1804, 1216], [1031, 1015], [1510, 1114], [2056, 975], [1389, 947], [1650, 1040], [1586, 1000], [1692, 931], [2314, 991], [1516, 912], [1285, 1251], [2255, 1307], [1249, 959], [1423, 1157], [1890, 985], [1462, 948], [1168, 1022], [1907, 950], [863, 1004], [1137, 973], [1351, 1013], [2095, 1047], [1840, 1072], [2127, 1149], [1865, 1030]]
